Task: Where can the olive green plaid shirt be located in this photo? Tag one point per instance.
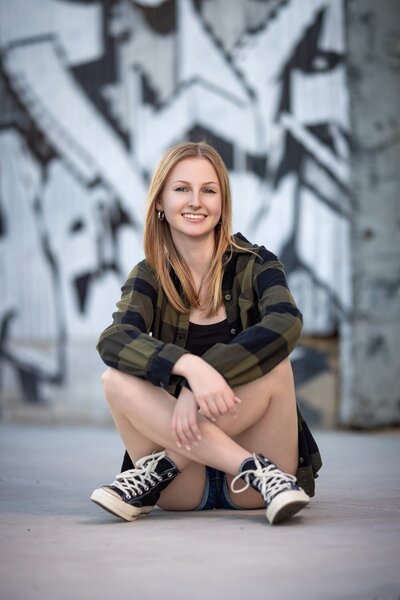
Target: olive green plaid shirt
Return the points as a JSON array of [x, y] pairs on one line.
[[148, 335]]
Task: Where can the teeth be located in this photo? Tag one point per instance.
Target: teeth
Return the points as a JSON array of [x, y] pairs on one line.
[[194, 217]]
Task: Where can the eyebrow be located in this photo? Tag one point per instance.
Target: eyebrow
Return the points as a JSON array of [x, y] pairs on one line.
[[189, 183]]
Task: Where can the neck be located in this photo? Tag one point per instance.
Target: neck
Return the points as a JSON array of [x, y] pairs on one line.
[[198, 254]]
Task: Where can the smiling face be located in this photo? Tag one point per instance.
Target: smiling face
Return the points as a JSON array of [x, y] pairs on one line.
[[191, 200]]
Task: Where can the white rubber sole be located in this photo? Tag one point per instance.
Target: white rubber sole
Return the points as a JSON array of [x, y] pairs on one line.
[[118, 507], [285, 505]]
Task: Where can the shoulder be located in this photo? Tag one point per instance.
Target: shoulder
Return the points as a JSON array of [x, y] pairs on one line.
[[143, 269], [252, 253], [142, 274]]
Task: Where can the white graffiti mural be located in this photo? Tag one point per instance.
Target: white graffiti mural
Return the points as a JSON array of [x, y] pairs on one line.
[[91, 95]]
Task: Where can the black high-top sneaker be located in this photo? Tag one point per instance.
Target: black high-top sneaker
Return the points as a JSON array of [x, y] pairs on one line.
[[282, 495], [136, 492]]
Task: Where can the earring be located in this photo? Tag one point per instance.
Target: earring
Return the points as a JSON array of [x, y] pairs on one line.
[[160, 215]]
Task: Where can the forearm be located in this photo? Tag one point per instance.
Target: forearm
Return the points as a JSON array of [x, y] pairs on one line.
[[186, 364], [210, 390], [136, 353]]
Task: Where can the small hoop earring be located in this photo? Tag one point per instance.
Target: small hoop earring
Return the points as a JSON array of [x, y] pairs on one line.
[[160, 215]]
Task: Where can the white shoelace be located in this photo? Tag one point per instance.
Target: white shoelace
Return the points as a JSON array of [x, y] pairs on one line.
[[135, 481], [269, 480]]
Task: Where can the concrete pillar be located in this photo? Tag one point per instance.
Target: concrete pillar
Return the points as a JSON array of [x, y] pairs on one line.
[[370, 353]]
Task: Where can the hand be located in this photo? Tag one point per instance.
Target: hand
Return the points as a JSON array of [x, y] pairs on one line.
[[211, 391], [184, 424]]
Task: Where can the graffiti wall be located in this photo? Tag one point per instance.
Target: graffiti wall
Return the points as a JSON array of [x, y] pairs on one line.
[[92, 93]]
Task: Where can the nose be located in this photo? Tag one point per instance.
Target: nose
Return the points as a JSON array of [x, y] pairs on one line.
[[194, 199]]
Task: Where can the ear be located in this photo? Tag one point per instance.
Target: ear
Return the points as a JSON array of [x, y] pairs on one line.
[[159, 205]]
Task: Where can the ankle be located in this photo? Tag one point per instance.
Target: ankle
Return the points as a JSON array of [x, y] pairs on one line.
[[245, 464]]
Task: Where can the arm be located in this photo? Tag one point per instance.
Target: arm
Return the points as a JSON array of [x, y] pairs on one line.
[[210, 393], [259, 348], [252, 353], [126, 344]]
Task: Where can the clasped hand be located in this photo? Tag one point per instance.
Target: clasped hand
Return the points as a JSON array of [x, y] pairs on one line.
[[210, 395]]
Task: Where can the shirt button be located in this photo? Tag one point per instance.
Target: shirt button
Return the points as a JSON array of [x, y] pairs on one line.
[[162, 384], [228, 297], [301, 460], [233, 331]]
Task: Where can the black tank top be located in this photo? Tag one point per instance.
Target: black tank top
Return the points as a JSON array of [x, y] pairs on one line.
[[202, 337]]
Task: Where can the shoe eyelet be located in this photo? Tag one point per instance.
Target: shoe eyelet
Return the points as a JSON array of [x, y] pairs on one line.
[[153, 485], [128, 496], [147, 488], [170, 474]]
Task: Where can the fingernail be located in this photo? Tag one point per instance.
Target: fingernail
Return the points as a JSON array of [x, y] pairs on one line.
[[188, 448], [199, 437], [179, 445]]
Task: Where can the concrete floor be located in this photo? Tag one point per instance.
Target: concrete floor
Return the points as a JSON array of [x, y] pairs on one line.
[[56, 544]]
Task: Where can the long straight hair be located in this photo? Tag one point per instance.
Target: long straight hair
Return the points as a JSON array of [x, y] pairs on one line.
[[159, 248]]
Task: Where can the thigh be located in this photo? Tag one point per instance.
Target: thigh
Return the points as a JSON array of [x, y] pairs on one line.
[[278, 444], [273, 432], [186, 491], [257, 397]]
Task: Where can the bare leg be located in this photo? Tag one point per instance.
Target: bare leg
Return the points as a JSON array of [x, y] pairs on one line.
[[267, 419], [267, 423], [275, 436], [191, 480], [150, 408]]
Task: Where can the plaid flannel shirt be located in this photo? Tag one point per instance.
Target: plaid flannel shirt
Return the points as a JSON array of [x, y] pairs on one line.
[[148, 335]]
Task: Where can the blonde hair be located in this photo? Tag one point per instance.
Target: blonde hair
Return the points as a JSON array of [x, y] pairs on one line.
[[159, 248]]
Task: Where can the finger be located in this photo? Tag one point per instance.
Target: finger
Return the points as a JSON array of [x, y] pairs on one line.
[[232, 409], [187, 428], [213, 408], [222, 405], [195, 428], [232, 405], [178, 427], [190, 435], [226, 405], [182, 436], [237, 401], [174, 431], [205, 410], [209, 407]]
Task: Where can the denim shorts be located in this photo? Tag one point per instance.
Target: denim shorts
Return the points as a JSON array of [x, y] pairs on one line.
[[216, 494]]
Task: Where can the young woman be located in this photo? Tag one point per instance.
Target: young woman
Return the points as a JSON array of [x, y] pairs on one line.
[[199, 382]]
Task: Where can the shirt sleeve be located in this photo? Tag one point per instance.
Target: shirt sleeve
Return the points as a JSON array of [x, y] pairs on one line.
[[259, 348], [127, 344]]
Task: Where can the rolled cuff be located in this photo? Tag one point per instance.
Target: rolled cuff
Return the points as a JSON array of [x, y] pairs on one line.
[[163, 362]]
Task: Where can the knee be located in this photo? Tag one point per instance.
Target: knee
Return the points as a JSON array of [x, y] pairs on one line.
[[120, 388], [282, 373], [283, 368], [108, 377], [111, 381]]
